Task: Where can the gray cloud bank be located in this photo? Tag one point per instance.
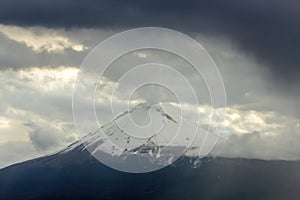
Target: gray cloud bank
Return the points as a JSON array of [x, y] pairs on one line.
[[268, 30]]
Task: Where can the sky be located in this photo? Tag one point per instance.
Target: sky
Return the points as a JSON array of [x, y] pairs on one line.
[[255, 45]]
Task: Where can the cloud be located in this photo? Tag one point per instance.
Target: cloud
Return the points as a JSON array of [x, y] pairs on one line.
[[36, 107], [267, 30], [16, 55], [282, 145], [50, 136], [37, 87], [35, 111], [44, 91], [257, 88], [40, 40], [256, 134], [249, 84]]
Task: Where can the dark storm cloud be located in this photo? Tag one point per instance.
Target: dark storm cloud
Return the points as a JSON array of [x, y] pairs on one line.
[[269, 30]]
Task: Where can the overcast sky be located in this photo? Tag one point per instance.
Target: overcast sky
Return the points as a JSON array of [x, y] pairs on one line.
[[255, 44]]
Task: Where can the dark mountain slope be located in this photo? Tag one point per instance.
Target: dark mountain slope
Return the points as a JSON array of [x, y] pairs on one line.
[[75, 174]]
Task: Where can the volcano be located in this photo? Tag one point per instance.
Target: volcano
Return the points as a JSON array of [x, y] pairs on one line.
[[74, 173]]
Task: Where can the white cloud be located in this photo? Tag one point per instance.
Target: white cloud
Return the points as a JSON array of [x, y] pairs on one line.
[[41, 39], [260, 135], [48, 136], [282, 145], [4, 123]]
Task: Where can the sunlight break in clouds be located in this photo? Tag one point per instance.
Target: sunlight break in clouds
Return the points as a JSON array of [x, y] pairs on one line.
[[41, 39]]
